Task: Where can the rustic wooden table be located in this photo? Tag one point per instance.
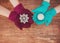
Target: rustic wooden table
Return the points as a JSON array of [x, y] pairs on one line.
[[9, 33]]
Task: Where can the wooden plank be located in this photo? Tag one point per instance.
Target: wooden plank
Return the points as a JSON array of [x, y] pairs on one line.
[[9, 33]]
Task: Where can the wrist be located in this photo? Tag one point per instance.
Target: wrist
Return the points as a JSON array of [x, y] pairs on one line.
[[4, 12], [57, 9]]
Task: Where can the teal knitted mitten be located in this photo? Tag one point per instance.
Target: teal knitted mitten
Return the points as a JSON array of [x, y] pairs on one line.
[[40, 10], [49, 16]]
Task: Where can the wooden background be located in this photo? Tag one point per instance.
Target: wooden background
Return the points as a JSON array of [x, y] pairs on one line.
[[9, 33]]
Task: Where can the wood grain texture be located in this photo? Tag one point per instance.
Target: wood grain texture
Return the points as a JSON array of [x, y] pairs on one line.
[[9, 33]]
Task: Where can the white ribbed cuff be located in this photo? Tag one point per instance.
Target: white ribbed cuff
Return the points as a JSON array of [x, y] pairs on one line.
[[14, 2], [47, 1]]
